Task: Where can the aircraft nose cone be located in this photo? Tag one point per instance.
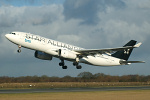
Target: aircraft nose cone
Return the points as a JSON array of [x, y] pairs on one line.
[[7, 36]]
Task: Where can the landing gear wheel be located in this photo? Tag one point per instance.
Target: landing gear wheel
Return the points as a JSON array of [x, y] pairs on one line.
[[61, 64], [64, 67], [79, 67], [19, 50], [75, 63]]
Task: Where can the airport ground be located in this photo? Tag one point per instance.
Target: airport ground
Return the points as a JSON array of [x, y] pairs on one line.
[[75, 91], [89, 95], [69, 85]]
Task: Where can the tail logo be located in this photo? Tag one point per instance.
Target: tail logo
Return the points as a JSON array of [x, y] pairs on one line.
[[126, 51]]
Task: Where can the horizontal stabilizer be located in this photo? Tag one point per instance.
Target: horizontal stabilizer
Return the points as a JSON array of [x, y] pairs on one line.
[[129, 62], [137, 45]]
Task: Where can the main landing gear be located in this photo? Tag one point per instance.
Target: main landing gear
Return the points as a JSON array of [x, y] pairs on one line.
[[77, 65], [62, 64], [19, 50], [65, 67]]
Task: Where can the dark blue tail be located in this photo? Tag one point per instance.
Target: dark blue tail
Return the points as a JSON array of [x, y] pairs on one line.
[[125, 54]]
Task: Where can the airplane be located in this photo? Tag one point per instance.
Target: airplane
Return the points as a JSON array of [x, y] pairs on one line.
[[46, 49]]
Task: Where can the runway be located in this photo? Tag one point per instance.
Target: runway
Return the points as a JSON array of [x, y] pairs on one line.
[[74, 89]]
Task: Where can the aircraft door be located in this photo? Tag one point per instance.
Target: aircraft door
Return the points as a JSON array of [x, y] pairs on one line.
[[21, 36]]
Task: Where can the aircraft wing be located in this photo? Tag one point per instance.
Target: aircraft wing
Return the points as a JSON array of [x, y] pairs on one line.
[[86, 52]]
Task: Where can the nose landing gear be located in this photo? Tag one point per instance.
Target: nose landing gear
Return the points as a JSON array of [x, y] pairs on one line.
[[19, 50]]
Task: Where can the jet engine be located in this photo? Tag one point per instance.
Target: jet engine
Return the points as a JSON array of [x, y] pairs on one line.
[[42, 55], [67, 54]]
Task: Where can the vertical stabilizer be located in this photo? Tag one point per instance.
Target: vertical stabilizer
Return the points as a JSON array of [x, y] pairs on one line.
[[125, 54]]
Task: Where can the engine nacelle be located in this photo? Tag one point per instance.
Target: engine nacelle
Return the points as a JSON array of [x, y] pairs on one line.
[[42, 55], [67, 54]]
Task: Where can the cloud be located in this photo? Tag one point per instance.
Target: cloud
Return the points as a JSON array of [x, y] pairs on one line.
[[28, 19], [138, 4], [87, 10], [20, 3], [89, 24], [122, 30], [13, 16]]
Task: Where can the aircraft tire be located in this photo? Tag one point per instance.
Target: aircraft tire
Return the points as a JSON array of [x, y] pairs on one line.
[[64, 67], [61, 64], [79, 67], [18, 50], [75, 63]]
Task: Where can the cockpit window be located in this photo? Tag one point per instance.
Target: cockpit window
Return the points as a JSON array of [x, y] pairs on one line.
[[13, 33]]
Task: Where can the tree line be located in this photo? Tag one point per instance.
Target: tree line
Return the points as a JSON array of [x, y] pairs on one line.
[[81, 77]]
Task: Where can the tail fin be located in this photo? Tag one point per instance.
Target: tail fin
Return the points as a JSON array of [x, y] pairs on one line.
[[125, 54]]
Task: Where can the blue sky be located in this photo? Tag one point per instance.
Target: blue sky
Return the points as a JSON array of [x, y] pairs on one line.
[[91, 24]]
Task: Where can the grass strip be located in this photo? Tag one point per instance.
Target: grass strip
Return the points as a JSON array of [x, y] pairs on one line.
[[104, 95]]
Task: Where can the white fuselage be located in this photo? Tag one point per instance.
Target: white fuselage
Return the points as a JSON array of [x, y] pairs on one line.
[[51, 47]]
